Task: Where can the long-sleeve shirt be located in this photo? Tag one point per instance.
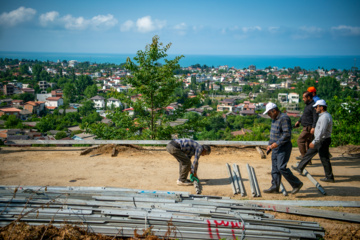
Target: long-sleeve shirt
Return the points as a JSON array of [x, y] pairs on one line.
[[315, 98], [309, 117], [323, 127], [280, 131], [191, 148]]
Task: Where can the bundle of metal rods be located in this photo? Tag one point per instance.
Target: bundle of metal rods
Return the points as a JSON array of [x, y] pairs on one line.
[[119, 211]]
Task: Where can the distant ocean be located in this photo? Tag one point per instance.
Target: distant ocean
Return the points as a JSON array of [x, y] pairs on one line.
[[239, 62]]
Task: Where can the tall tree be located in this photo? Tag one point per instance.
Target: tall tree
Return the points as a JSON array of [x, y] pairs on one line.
[[155, 82]]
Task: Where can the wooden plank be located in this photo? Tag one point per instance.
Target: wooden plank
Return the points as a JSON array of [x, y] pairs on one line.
[[135, 142], [262, 154]]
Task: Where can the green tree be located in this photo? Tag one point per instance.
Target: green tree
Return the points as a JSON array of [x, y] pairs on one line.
[[13, 122], [328, 87], [156, 84], [69, 92], [91, 91], [87, 108], [82, 83], [60, 135]]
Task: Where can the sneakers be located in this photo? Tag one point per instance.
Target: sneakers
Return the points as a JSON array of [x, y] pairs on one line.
[[186, 183], [327, 179], [299, 157], [295, 190]]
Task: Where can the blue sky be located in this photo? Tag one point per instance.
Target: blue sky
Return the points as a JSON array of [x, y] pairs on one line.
[[193, 27]]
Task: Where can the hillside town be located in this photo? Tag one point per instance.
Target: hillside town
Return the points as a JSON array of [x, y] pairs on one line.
[[31, 90]]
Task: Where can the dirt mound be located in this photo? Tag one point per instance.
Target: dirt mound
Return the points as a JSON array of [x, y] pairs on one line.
[[20, 231], [111, 149]]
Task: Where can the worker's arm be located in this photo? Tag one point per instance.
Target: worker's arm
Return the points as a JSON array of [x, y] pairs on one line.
[[285, 126], [320, 130], [195, 164]]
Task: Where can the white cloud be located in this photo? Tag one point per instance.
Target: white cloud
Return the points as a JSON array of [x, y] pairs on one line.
[[102, 21], [308, 32], [99, 22], [48, 18], [273, 29], [251, 29], [73, 23], [17, 16], [346, 30], [127, 26], [146, 24], [181, 28]]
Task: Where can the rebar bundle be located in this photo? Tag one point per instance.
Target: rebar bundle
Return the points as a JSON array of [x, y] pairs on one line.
[[118, 212]]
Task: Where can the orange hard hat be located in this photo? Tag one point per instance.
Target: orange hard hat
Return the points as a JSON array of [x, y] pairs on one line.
[[311, 89]]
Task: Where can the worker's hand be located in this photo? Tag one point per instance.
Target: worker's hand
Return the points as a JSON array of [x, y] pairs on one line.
[[312, 131], [193, 178], [311, 145], [268, 149], [297, 124], [274, 145]]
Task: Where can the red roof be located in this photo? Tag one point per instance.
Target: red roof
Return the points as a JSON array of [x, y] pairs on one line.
[[10, 110], [53, 98]]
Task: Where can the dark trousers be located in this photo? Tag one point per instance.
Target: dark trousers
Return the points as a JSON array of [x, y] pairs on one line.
[[304, 140], [323, 149], [182, 158], [279, 158]]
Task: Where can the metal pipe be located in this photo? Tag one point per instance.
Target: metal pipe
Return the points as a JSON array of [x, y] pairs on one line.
[[231, 178], [242, 188], [282, 189], [251, 181]]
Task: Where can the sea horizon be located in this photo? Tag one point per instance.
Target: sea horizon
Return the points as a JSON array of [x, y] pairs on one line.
[[308, 62]]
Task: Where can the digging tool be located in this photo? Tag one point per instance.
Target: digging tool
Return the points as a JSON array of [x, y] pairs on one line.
[[197, 184]]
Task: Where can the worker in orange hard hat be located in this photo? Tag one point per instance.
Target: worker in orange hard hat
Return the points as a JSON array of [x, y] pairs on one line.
[[313, 91]]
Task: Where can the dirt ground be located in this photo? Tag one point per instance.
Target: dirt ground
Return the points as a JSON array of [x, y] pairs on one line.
[[152, 168]]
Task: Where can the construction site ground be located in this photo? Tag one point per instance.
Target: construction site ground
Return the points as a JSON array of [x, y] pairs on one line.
[[152, 168]]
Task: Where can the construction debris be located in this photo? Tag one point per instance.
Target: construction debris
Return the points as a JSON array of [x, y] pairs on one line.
[[119, 212]]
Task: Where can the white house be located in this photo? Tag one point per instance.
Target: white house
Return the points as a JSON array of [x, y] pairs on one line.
[[230, 89], [54, 102], [113, 102], [98, 101], [293, 98]]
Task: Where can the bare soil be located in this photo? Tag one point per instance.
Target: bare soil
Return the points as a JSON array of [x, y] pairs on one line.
[[152, 168]]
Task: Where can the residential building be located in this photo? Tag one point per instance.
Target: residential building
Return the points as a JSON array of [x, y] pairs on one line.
[[54, 102], [99, 102], [113, 102], [223, 107], [10, 111], [8, 89], [283, 98], [293, 98], [34, 107]]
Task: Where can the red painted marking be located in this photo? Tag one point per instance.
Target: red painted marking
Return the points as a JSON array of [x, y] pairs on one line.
[[233, 233], [235, 224], [217, 232], [221, 223], [209, 229], [287, 209], [274, 208]]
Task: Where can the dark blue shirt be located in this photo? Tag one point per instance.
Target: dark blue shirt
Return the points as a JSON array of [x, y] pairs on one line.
[[280, 131]]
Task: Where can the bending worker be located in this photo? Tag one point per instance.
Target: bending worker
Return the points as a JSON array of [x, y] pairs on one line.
[[183, 150], [281, 146]]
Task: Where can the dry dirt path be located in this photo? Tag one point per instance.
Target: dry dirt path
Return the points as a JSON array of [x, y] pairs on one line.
[[154, 169]]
